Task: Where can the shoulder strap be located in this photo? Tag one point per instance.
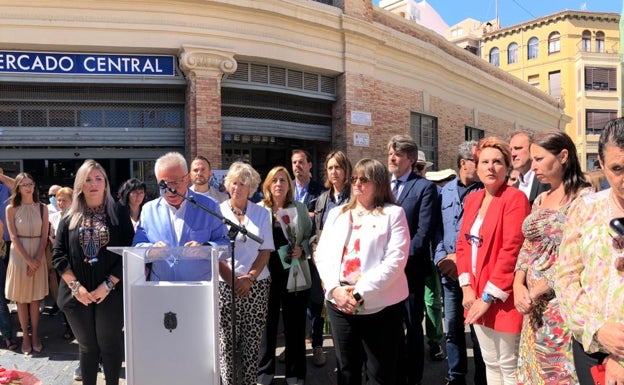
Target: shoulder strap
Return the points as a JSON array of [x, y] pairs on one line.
[[41, 210]]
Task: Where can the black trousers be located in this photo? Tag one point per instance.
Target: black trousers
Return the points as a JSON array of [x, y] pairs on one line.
[[371, 339], [99, 331], [293, 306], [413, 360], [583, 363]]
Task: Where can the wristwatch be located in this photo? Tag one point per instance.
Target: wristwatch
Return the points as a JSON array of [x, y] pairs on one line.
[[358, 297], [110, 285], [486, 297]]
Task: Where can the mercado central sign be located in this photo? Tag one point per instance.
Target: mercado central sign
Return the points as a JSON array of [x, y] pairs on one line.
[[86, 64]]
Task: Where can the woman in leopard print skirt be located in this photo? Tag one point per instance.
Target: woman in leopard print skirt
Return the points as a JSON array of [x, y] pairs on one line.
[[251, 282]]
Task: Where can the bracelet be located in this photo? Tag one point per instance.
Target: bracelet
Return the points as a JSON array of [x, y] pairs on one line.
[[252, 277], [109, 284], [74, 286]]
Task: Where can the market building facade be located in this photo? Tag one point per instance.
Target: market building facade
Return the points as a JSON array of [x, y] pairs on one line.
[[125, 82]]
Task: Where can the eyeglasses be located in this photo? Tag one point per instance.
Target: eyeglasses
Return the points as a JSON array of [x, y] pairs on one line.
[[362, 179], [177, 183], [474, 240], [27, 185], [420, 167]]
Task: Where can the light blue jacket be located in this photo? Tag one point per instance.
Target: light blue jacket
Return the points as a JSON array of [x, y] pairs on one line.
[[199, 226], [452, 213]]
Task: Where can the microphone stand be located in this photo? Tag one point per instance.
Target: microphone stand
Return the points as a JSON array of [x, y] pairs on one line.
[[232, 233]]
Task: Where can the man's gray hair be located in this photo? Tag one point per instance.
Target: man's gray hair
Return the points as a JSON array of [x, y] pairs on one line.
[[170, 159], [465, 151], [530, 134], [404, 144]]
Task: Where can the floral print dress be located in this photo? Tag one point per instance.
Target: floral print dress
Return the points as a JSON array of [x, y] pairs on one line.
[[545, 353]]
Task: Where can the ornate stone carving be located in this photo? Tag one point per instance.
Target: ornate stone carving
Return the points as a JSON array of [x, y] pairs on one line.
[[206, 62]]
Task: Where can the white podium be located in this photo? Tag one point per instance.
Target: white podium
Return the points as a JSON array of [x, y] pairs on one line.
[[171, 328]]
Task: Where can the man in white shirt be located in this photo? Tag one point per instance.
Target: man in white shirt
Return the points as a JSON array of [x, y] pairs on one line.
[[201, 172], [520, 144], [53, 205]]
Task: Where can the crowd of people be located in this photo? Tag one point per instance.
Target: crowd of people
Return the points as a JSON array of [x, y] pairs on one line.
[[517, 241]]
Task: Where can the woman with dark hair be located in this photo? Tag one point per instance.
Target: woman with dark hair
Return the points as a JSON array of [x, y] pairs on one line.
[[278, 194], [361, 258], [589, 277], [27, 279], [487, 251], [91, 294], [546, 344], [337, 182], [132, 196]]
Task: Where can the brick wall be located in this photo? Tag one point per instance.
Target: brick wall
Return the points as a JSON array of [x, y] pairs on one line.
[[203, 116]]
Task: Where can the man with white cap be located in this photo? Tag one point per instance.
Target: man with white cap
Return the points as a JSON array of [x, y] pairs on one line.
[[433, 289]]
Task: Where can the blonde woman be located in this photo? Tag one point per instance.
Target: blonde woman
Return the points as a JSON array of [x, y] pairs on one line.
[[90, 293]]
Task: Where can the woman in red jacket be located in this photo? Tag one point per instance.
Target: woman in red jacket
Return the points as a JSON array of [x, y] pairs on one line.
[[487, 249]]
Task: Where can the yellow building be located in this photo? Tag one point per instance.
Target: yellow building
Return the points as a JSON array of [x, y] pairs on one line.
[[575, 57]]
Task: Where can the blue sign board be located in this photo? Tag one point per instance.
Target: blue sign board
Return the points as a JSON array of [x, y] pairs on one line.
[[86, 64]]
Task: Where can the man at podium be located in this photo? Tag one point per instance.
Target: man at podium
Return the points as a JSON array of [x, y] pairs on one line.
[[172, 221]]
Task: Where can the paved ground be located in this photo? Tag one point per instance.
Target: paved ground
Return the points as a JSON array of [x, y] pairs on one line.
[[56, 363]]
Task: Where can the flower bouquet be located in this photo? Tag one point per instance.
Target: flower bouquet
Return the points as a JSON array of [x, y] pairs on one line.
[[15, 377], [299, 274]]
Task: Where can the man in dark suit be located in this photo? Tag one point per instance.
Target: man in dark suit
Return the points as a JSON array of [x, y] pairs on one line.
[[520, 143], [307, 192], [418, 197]]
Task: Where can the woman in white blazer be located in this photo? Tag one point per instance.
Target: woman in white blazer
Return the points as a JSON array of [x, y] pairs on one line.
[[361, 258]]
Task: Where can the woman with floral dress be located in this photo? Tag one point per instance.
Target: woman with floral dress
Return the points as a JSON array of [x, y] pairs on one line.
[[545, 354], [589, 279]]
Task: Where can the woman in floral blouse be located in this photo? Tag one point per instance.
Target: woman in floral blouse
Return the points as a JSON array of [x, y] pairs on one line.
[[589, 277], [361, 258], [545, 355]]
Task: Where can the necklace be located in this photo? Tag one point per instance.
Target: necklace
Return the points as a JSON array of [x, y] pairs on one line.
[[236, 211]]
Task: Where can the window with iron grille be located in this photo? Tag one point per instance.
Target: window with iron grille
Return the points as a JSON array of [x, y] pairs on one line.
[[473, 133], [64, 115], [424, 130], [595, 120], [600, 79]]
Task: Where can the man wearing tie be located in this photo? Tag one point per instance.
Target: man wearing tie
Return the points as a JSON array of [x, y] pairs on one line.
[[307, 192], [520, 144], [418, 197]]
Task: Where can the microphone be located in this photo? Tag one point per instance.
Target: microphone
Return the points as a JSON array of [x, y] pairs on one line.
[[617, 224], [164, 188]]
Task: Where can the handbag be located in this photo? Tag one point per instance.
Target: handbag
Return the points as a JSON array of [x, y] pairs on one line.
[[48, 247], [598, 374]]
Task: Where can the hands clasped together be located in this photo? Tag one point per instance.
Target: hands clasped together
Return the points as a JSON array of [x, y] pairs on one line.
[[343, 297], [86, 297], [33, 265]]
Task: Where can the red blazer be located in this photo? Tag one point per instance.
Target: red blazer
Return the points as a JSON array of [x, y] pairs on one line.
[[496, 257]]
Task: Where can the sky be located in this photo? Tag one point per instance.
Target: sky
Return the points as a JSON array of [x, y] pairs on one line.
[[512, 12]]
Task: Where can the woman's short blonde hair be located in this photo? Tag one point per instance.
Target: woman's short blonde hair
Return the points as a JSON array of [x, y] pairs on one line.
[[245, 174], [67, 191]]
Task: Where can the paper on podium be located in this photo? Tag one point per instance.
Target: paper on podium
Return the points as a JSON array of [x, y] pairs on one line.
[[171, 326]]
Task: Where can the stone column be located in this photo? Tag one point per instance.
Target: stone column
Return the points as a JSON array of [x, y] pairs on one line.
[[204, 67]]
